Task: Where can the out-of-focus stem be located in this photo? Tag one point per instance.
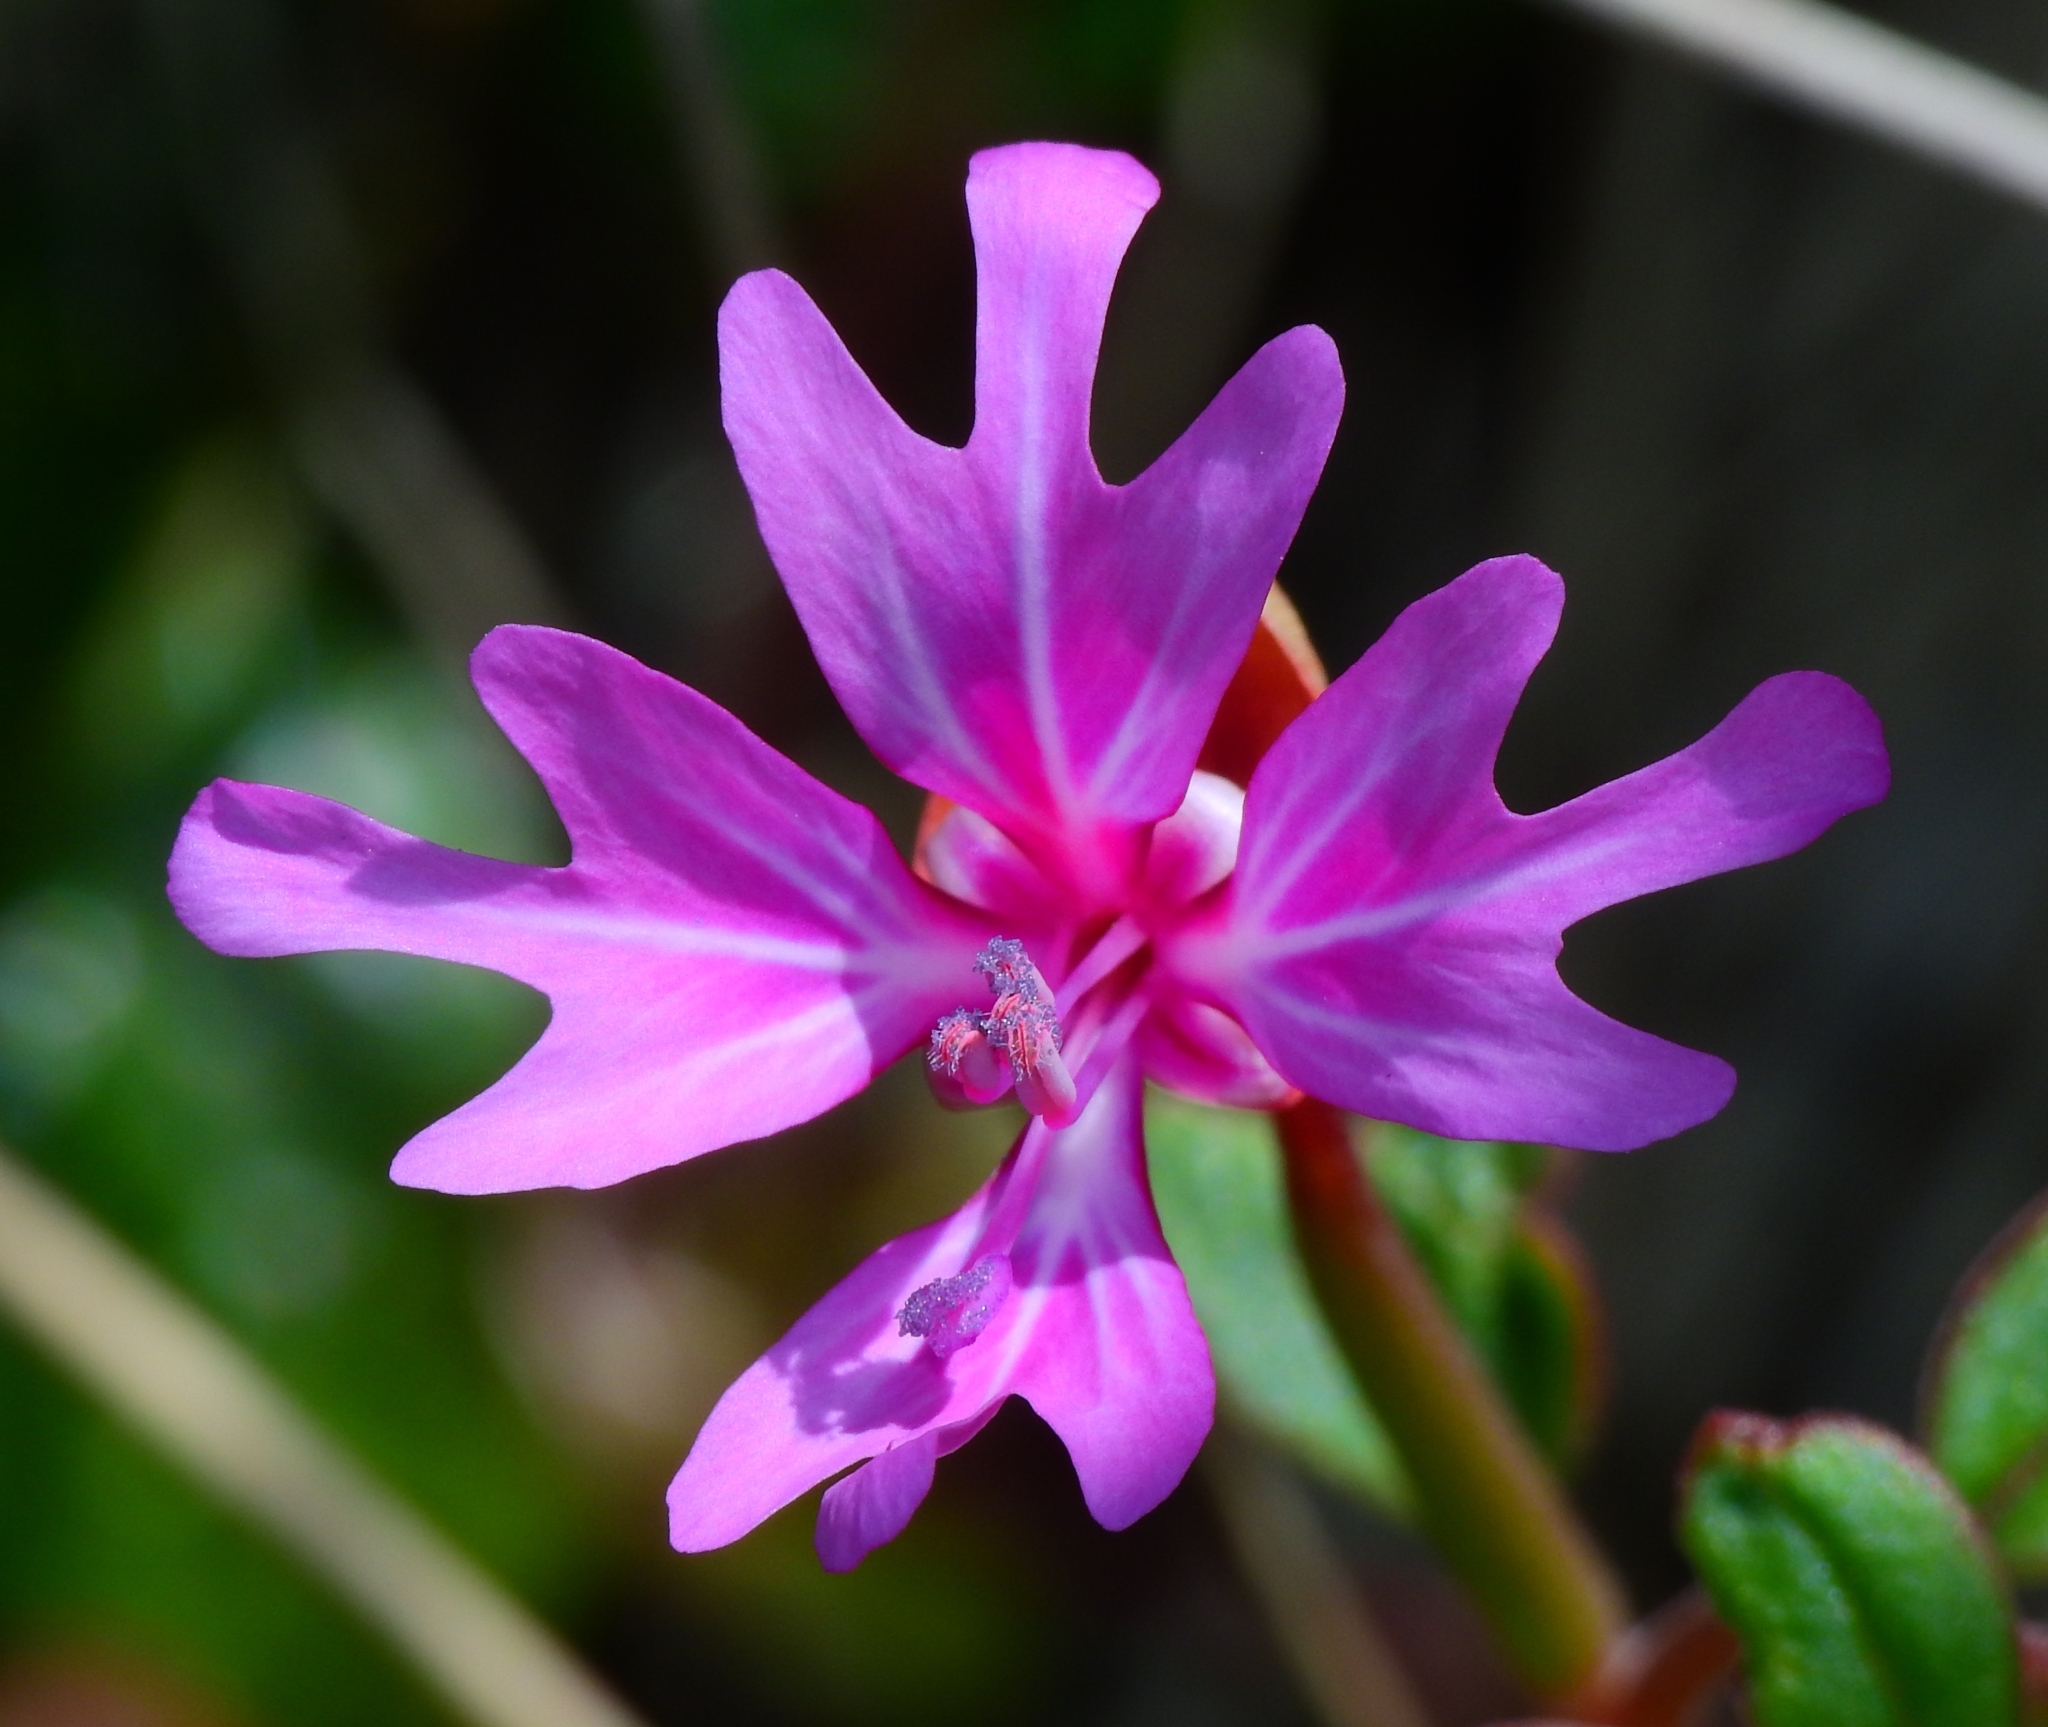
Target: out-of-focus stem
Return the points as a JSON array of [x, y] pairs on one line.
[[1664, 1671], [720, 165], [188, 1387], [2033, 1673], [1489, 1503], [1856, 71], [376, 449], [1323, 1624], [381, 457]]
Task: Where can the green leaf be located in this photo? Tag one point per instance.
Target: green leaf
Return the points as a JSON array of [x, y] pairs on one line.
[[1216, 1179], [1509, 1275], [185, 640], [1547, 1349], [1858, 1583], [1507, 1272], [1986, 1414]]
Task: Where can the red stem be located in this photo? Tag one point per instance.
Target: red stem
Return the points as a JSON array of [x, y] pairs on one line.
[[1486, 1499]]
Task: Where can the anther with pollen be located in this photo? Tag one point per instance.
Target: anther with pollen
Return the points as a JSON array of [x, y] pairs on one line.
[[963, 1060], [951, 1312], [976, 1057]]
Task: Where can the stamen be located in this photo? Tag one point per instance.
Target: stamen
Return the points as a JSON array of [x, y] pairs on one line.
[[951, 1312], [1047, 1089], [1025, 1026], [964, 1067], [956, 1034], [975, 1057], [1006, 966]]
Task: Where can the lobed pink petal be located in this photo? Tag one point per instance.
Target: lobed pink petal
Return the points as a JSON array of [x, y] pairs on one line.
[[1003, 627], [1464, 1028], [1098, 1334], [1115, 1360], [733, 948], [1391, 935], [1051, 225], [843, 1384], [1797, 753], [875, 1503]]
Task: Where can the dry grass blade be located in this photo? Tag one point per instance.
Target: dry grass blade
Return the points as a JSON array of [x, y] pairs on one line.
[[1850, 69], [191, 1389], [1345, 1666]]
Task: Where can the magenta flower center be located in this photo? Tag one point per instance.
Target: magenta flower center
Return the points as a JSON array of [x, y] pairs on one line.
[[1052, 1044]]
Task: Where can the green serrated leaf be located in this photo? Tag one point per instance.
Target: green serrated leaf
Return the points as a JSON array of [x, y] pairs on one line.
[[1987, 1408], [1216, 1180], [1859, 1585], [1510, 1281]]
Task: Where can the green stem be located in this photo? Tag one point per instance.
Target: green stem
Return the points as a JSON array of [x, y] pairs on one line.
[[1486, 1499]]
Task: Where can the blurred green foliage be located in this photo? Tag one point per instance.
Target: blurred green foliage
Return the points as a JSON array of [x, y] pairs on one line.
[[1507, 1271], [1987, 1395], [1857, 1581], [232, 1121], [1472, 1212], [1216, 1180]]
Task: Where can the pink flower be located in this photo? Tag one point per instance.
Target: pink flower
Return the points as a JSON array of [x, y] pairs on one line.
[[735, 948]]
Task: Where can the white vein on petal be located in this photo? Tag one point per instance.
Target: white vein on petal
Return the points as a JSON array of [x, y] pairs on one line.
[[1033, 577], [835, 1012], [1267, 886], [1542, 867], [918, 667], [1132, 727]]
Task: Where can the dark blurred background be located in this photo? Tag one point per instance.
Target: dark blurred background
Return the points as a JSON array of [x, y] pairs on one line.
[[334, 331]]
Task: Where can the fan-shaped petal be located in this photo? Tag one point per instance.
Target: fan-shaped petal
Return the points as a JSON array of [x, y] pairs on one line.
[[1097, 1333], [733, 948], [1390, 938], [1003, 627]]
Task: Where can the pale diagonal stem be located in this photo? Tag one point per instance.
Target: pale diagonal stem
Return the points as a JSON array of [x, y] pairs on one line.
[[1343, 1663], [714, 148], [379, 454], [1851, 69], [127, 1336]]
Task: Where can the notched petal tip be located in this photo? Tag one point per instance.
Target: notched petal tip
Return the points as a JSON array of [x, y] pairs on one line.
[[762, 303], [187, 873], [1078, 173], [1304, 360], [759, 282], [502, 641], [1670, 1090], [1514, 583], [1394, 928], [1825, 741], [872, 1505], [254, 868]]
